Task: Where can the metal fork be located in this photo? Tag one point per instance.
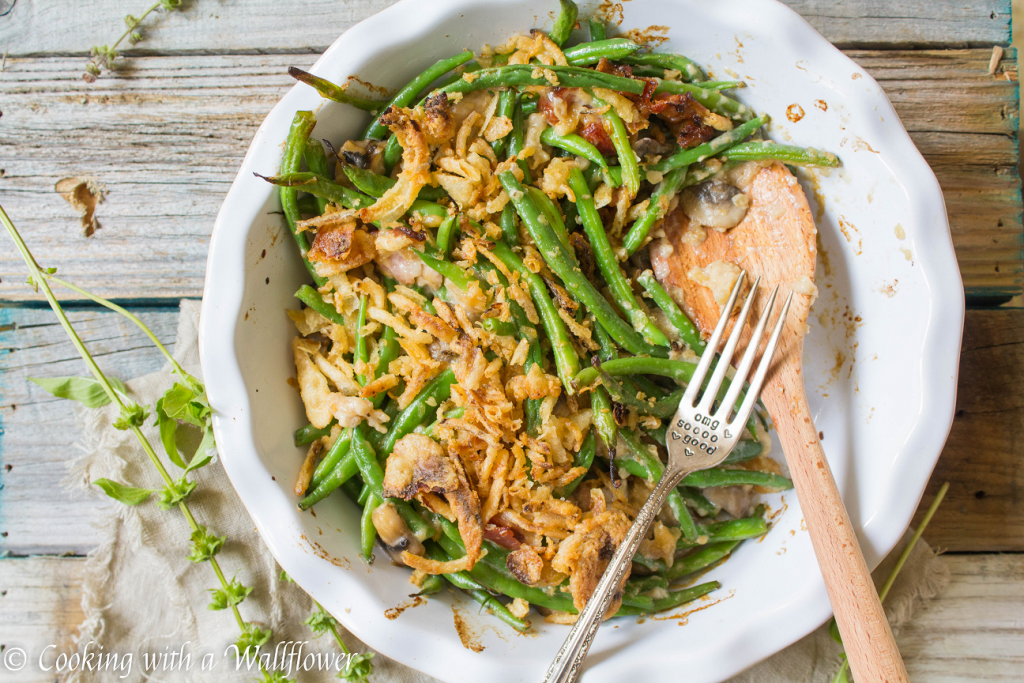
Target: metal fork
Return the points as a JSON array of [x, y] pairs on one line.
[[699, 437]]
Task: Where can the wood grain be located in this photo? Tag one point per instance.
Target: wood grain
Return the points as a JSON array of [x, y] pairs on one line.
[[38, 27], [39, 433], [167, 141], [982, 461]]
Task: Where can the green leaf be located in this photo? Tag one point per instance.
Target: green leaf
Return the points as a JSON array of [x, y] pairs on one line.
[[125, 494], [841, 675], [275, 677], [833, 631], [357, 668], [175, 493], [168, 433], [130, 21], [320, 622], [233, 594], [252, 638], [204, 453], [170, 5], [86, 390], [205, 545], [285, 577], [132, 415]]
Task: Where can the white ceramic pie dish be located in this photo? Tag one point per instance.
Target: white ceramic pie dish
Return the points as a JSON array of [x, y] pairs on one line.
[[881, 357]]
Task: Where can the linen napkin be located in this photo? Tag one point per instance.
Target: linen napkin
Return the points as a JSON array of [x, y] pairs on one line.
[[141, 595]]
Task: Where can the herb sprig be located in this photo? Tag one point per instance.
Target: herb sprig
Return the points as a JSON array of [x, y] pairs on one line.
[[184, 405], [103, 56]]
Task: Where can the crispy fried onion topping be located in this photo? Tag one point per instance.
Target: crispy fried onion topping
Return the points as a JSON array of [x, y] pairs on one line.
[[418, 465], [415, 168], [586, 553]]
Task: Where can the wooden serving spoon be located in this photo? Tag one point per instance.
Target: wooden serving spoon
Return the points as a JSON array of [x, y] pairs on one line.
[[776, 240]]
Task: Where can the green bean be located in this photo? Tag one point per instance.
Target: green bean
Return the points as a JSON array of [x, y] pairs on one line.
[[438, 390], [584, 458], [607, 350], [720, 85], [714, 477], [648, 405], [453, 414], [505, 328], [366, 459], [375, 185], [756, 150], [655, 469], [679, 370], [321, 188], [745, 449], [368, 532], [417, 525], [425, 208], [674, 599], [620, 140], [476, 591], [334, 92], [295, 145], [406, 95], [529, 106], [360, 355], [647, 583], [608, 264], [523, 74], [597, 30], [679, 63], [352, 487], [700, 152], [343, 472], [315, 300], [388, 349], [505, 109], [531, 408], [317, 162], [642, 604], [515, 141], [308, 434], [567, 362], [656, 209], [733, 530], [308, 205], [448, 269], [699, 502], [593, 52], [551, 214], [444, 235], [684, 326], [573, 144], [562, 263], [376, 438], [509, 229], [432, 585], [338, 450], [713, 100], [705, 557], [506, 585], [564, 23], [604, 419]]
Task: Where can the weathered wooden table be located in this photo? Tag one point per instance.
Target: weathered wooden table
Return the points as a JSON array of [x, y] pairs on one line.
[[166, 133]]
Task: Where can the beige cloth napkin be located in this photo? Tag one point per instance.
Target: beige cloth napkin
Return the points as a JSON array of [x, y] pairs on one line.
[[142, 595]]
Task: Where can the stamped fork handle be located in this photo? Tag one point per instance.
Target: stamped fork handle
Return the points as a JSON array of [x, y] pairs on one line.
[[867, 638], [568, 664]]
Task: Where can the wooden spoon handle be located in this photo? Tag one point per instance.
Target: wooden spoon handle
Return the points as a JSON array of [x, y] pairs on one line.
[[867, 638]]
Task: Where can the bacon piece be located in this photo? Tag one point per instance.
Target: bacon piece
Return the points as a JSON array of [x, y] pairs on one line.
[[592, 130], [501, 535], [686, 117]]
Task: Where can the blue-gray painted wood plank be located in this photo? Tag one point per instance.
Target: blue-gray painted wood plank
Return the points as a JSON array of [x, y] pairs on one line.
[[39, 434], [39, 27]]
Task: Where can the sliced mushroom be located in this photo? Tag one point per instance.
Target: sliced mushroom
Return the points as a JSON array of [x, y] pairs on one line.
[[715, 204], [393, 532]]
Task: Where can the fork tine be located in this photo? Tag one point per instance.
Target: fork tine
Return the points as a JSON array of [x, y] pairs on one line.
[[701, 371], [748, 360], [715, 383], [762, 368]]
